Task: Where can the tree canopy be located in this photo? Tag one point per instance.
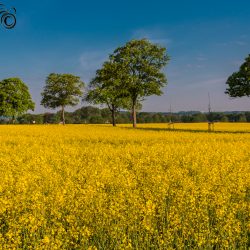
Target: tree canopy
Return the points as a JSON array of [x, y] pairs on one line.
[[15, 98], [62, 90], [106, 88], [140, 63], [239, 82]]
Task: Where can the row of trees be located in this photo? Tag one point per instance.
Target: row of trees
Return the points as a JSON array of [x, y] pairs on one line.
[[131, 73], [95, 115]]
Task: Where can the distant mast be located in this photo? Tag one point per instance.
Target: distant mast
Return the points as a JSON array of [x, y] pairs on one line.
[[170, 111], [209, 104], [170, 123], [210, 122]]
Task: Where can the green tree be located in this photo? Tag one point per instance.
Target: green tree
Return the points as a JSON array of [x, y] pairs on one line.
[[224, 118], [247, 114], [239, 82], [51, 118], [242, 118], [199, 117], [62, 90], [15, 98], [96, 120], [140, 63], [106, 88], [30, 119]]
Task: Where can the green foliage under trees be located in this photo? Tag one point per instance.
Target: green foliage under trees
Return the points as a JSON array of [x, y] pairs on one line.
[[62, 90], [239, 82], [15, 98], [140, 63], [93, 115]]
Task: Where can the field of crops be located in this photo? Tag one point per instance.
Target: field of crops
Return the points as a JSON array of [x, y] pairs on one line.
[[99, 187]]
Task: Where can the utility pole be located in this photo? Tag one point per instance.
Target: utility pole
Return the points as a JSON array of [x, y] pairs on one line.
[[210, 122], [209, 104], [170, 111], [170, 124]]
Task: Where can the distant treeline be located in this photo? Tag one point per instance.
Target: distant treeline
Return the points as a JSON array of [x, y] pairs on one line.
[[93, 115]]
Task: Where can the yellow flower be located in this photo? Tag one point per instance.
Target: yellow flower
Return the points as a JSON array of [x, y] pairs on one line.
[[95, 186]]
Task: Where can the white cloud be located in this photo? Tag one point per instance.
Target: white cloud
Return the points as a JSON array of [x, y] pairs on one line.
[[240, 43], [230, 43], [212, 83], [157, 36], [194, 66], [201, 58], [90, 61], [237, 63]]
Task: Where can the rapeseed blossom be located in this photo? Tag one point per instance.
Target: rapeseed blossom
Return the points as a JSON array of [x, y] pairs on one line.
[[99, 187]]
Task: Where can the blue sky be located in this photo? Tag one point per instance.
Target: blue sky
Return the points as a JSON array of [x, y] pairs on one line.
[[206, 41]]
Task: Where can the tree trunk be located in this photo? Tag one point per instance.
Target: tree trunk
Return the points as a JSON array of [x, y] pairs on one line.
[[63, 116], [113, 116], [134, 115]]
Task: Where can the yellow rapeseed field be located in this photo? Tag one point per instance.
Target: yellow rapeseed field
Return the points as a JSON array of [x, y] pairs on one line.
[[99, 187]]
